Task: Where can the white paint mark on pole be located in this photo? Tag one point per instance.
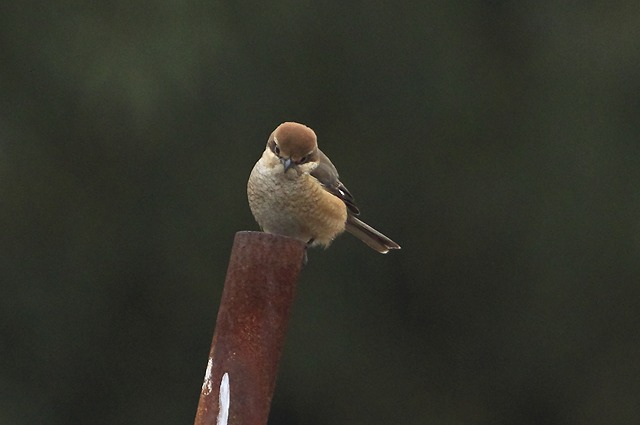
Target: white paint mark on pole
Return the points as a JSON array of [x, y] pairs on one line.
[[207, 385], [224, 401]]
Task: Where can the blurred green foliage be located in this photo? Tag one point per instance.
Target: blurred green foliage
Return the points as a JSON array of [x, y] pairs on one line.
[[497, 141]]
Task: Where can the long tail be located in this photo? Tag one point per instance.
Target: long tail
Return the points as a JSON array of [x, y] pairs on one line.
[[369, 235]]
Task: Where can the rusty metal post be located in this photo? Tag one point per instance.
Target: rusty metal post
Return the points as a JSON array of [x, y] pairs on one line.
[[250, 329]]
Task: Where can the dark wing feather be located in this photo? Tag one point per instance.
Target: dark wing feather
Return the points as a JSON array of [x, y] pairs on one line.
[[327, 175]]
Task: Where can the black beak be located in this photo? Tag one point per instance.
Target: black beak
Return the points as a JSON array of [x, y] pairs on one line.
[[287, 163]]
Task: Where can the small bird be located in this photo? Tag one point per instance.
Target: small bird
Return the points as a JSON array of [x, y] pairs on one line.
[[294, 190]]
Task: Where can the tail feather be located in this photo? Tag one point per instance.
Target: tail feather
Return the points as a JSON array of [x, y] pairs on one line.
[[369, 235]]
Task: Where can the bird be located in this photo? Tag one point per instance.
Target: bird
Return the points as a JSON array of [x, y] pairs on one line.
[[295, 190]]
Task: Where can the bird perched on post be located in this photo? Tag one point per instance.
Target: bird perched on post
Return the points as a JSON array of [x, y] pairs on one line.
[[294, 190]]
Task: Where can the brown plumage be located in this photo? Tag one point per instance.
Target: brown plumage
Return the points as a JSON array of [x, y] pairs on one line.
[[294, 190]]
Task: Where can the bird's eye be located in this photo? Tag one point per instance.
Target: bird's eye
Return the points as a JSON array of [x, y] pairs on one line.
[[276, 149], [302, 160]]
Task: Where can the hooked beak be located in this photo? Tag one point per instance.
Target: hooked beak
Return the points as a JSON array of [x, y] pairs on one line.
[[287, 163]]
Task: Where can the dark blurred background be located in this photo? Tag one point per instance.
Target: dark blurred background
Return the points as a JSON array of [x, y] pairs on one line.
[[496, 141]]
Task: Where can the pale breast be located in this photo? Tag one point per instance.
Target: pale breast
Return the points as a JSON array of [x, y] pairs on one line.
[[294, 205]]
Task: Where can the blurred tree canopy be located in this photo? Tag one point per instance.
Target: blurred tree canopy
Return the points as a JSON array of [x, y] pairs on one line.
[[496, 141]]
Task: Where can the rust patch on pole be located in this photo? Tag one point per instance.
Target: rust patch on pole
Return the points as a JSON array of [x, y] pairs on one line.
[[250, 329]]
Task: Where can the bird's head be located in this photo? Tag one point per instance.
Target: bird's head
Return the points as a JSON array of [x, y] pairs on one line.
[[295, 145]]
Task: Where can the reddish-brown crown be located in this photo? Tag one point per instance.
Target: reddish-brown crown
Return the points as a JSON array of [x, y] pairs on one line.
[[295, 140]]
